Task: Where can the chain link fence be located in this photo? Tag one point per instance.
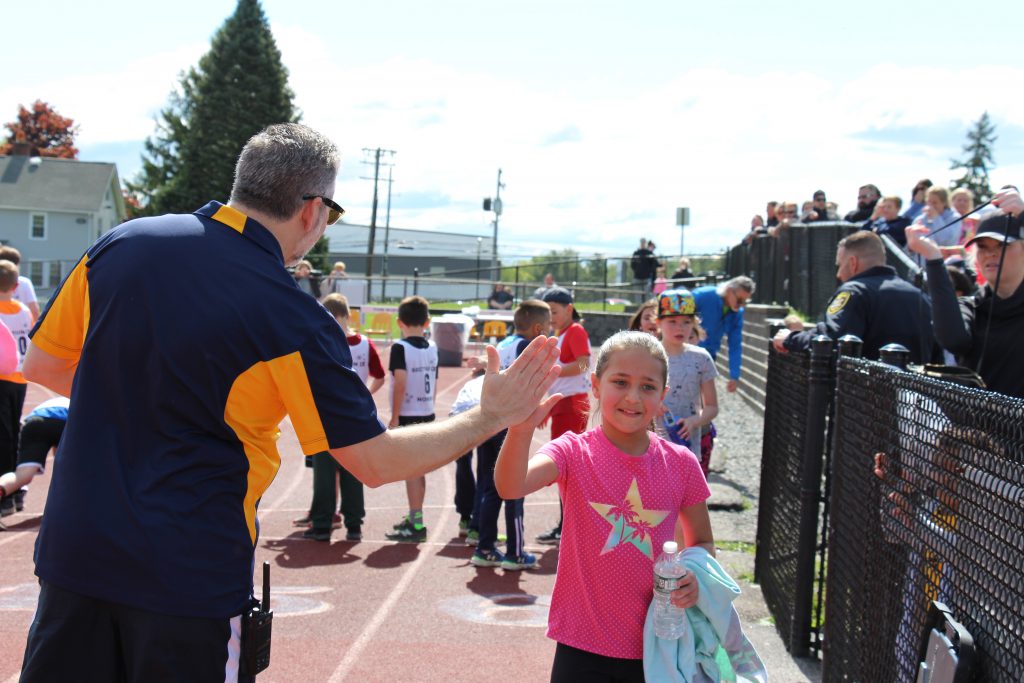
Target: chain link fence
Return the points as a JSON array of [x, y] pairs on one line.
[[883, 490]]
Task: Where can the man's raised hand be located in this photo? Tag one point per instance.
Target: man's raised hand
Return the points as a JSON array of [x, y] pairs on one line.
[[518, 393]]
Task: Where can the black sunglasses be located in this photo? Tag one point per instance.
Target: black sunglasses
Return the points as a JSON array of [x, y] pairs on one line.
[[335, 213]]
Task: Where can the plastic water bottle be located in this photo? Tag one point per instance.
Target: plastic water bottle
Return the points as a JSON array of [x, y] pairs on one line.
[[669, 620]]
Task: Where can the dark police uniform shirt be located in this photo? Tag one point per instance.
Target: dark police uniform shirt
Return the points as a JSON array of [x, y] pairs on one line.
[[193, 343], [881, 308]]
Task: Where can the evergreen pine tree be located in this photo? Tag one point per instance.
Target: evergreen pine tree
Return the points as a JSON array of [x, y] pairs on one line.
[[977, 160], [238, 88]]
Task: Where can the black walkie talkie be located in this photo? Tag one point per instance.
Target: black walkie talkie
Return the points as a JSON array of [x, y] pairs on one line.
[[256, 627]]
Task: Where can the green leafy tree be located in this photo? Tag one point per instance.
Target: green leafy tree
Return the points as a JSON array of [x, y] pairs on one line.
[[238, 88], [977, 160]]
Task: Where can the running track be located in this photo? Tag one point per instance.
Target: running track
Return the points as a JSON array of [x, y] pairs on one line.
[[368, 611]]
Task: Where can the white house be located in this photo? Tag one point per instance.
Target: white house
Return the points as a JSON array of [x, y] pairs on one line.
[[52, 210]]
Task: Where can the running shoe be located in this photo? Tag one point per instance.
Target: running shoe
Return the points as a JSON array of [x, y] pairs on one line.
[[463, 527], [407, 532], [551, 536], [322, 535], [524, 561], [19, 499], [487, 558]]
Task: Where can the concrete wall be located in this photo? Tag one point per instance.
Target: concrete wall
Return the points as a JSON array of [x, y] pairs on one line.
[[754, 371]]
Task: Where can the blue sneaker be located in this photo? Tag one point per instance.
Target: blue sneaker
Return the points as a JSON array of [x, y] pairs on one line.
[[524, 561], [487, 558]]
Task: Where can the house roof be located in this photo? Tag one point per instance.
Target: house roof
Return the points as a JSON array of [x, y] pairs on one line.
[[54, 184]]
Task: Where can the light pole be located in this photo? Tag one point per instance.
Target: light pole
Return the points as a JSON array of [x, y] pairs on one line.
[[479, 242]]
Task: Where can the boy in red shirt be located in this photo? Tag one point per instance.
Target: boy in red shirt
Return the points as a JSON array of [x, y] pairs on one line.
[[572, 413]]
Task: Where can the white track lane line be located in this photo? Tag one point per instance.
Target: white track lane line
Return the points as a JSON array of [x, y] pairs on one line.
[[382, 613]]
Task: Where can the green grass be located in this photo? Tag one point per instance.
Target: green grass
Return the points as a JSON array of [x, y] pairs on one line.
[[736, 546]]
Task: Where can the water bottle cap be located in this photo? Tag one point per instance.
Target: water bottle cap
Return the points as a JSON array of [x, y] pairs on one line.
[[670, 548]]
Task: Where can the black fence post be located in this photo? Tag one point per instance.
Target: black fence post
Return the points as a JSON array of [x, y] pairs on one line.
[[894, 354], [851, 345], [415, 281], [818, 395]]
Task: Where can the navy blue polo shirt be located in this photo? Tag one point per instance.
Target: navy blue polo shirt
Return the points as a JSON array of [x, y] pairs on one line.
[[193, 342]]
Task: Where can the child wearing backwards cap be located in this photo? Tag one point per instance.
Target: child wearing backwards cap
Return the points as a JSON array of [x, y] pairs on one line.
[[691, 397], [572, 413]]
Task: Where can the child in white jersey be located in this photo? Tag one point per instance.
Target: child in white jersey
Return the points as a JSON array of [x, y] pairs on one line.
[[413, 366], [329, 477], [18, 319], [626, 491], [691, 401]]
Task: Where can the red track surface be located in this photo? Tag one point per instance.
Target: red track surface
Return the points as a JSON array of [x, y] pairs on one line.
[[368, 611]]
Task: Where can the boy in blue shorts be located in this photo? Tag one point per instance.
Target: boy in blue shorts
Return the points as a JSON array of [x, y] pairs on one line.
[[413, 367], [532, 318]]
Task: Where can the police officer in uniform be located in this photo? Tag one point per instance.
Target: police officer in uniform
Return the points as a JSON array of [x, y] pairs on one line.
[[873, 303]]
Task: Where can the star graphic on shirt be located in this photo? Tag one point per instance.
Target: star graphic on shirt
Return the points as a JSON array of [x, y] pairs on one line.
[[631, 523]]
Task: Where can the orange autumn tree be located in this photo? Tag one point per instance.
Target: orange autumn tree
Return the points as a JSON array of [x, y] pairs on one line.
[[47, 132]]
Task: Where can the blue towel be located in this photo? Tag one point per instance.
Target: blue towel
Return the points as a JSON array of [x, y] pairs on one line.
[[713, 647]]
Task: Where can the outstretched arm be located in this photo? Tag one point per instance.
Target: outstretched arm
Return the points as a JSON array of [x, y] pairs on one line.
[[508, 398]]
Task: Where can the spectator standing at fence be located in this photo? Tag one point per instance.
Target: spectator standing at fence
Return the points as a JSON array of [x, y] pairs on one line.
[[331, 283], [549, 282], [683, 271], [937, 217], [771, 218], [304, 279], [872, 302], [819, 210], [500, 299], [720, 309], [787, 214], [917, 199], [867, 197], [151, 517], [886, 220], [643, 263], [984, 331]]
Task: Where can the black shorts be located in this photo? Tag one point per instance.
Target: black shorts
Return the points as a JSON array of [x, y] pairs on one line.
[[38, 435], [77, 638], [572, 664], [406, 420]]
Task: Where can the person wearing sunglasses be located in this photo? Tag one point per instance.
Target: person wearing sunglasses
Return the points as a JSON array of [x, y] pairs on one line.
[[867, 197], [184, 342]]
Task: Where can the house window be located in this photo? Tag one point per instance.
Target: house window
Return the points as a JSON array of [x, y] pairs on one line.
[[37, 226], [35, 273]]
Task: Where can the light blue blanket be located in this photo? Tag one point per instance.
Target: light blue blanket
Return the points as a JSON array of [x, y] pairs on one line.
[[714, 647]]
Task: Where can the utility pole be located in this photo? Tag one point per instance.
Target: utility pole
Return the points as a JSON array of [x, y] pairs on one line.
[[373, 213], [495, 206], [387, 239]]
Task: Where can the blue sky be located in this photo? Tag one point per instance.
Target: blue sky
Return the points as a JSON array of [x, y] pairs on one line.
[[604, 116]]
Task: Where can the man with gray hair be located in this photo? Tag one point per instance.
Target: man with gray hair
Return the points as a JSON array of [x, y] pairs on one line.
[[721, 313], [183, 343]]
